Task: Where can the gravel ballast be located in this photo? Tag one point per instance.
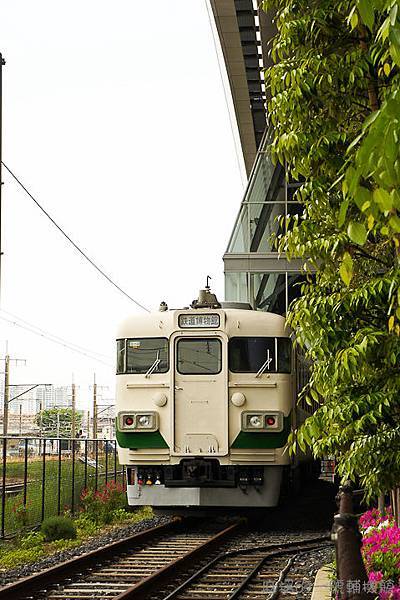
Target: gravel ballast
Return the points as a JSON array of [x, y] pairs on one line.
[[104, 539]]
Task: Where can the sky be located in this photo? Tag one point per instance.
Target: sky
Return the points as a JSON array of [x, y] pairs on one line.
[[115, 119]]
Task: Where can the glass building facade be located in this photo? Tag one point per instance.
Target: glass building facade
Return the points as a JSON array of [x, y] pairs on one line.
[[254, 271]]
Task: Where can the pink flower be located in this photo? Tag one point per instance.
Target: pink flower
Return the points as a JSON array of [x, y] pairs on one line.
[[375, 576]]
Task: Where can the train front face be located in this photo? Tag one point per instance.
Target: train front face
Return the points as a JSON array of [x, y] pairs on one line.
[[204, 407]]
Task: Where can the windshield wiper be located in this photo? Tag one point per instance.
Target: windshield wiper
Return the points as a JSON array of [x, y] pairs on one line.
[[154, 365], [265, 365]]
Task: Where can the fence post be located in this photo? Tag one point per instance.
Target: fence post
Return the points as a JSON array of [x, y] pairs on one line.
[[96, 479], [3, 489], [25, 470], [85, 472], [73, 477], [352, 575], [43, 479], [59, 477], [106, 459], [115, 461]]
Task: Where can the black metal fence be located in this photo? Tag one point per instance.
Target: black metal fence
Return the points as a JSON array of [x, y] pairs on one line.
[[42, 477]]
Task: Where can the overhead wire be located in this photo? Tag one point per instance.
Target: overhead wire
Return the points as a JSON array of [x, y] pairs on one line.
[[60, 229], [56, 337], [65, 345]]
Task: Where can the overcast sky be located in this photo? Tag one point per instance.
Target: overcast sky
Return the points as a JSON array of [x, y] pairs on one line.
[[114, 118]]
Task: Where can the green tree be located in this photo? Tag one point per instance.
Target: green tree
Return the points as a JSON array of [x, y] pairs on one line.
[[57, 422], [335, 109]]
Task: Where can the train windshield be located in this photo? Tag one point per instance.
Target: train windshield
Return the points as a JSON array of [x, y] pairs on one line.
[[199, 356], [142, 356], [254, 354]]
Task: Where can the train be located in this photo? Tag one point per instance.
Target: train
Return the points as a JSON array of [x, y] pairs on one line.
[[206, 397]]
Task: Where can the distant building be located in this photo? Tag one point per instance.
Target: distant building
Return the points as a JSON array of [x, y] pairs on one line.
[[53, 397]]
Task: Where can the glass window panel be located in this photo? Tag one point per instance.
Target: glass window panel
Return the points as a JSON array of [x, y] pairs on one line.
[[284, 355], [260, 184], [120, 356], [240, 237], [249, 354], [270, 292], [236, 287], [142, 354], [200, 356], [265, 227]]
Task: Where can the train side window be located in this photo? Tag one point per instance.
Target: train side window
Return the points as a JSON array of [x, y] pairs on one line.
[[121, 345], [250, 354], [284, 355], [199, 356], [143, 354]]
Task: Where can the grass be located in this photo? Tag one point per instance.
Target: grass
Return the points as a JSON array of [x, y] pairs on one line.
[[32, 546], [19, 516]]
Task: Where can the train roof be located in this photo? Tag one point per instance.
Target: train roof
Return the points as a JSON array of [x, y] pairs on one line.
[[233, 321]]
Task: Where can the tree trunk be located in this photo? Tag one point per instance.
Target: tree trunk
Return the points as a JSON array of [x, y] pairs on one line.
[[381, 504], [395, 502]]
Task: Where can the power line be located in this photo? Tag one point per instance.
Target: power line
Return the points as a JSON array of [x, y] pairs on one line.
[[57, 337], [72, 242], [16, 324]]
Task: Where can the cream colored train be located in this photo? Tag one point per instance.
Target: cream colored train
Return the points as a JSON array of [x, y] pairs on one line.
[[206, 398]]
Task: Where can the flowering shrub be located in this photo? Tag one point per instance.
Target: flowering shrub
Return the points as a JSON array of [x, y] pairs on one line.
[[373, 518], [20, 511], [100, 506], [381, 551]]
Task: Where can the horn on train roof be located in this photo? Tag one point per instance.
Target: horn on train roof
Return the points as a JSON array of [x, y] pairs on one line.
[[206, 298]]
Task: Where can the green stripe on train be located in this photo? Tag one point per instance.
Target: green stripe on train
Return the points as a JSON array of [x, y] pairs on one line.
[[145, 439], [257, 439]]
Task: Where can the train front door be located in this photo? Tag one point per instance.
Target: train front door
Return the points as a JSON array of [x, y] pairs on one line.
[[201, 395]]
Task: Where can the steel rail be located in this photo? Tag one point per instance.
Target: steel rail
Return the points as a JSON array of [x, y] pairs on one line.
[[272, 550], [54, 574], [142, 588]]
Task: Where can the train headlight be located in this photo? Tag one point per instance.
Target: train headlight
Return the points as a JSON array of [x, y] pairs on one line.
[[145, 422], [255, 421], [137, 421], [263, 421]]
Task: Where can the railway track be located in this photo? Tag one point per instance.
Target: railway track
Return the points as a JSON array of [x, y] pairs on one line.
[[247, 574], [125, 568]]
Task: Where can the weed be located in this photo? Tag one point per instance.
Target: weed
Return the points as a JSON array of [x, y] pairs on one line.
[[58, 528]]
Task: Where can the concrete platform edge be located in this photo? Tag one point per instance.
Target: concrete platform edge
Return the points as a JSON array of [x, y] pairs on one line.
[[322, 585]]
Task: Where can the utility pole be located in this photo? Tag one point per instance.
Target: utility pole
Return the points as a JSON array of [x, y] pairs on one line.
[[20, 419], [73, 406], [96, 389], [6, 399], [2, 63]]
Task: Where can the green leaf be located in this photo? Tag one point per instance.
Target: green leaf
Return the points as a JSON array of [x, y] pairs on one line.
[[346, 269], [366, 10], [361, 196], [354, 20], [357, 233], [394, 223], [383, 199], [342, 211]]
